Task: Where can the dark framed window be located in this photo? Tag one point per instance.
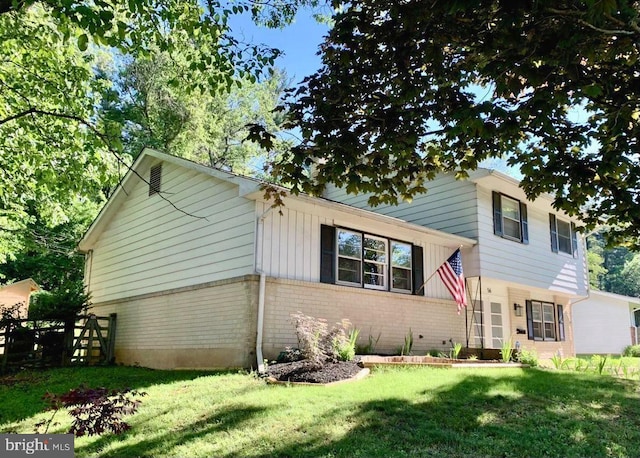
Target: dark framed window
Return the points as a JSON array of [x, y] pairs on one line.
[[564, 238], [510, 218], [354, 258], [545, 321]]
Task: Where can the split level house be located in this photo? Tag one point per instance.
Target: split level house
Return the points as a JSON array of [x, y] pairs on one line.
[[202, 271]]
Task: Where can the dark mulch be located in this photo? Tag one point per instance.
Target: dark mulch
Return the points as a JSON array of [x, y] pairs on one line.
[[302, 371]]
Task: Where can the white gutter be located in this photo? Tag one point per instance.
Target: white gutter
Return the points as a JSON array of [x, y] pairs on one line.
[[261, 288]]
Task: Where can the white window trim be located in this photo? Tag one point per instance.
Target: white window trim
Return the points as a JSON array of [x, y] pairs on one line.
[[385, 265], [570, 252], [517, 221], [338, 256], [391, 267], [543, 322]]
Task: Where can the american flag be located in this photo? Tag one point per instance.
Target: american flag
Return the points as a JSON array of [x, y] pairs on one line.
[[451, 274]]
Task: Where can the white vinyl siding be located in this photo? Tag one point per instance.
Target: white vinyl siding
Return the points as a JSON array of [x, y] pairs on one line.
[[527, 264], [150, 246], [291, 242], [449, 205]]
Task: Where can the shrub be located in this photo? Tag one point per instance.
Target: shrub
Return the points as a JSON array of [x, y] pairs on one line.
[[94, 410], [62, 303], [318, 343], [632, 350], [346, 349], [529, 357]]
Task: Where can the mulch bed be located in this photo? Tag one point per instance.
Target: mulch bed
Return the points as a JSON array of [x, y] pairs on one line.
[[302, 371]]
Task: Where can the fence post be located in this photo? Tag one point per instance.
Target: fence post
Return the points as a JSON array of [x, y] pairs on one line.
[[69, 331], [112, 338], [5, 355]]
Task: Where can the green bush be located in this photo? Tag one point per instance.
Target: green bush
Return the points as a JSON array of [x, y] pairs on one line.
[[62, 303], [632, 350], [529, 357], [319, 344]]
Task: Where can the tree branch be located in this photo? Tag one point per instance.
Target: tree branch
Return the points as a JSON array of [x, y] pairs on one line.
[[105, 141], [579, 17]]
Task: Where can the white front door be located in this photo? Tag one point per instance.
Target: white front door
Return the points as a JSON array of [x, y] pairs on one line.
[[490, 320]]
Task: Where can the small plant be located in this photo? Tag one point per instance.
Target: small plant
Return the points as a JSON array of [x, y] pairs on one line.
[[370, 348], [507, 350], [556, 359], [529, 357], [94, 410], [455, 350], [581, 365], [346, 348], [632, 351], [599, 362], [473, 358], [434, 352], [408, 344]]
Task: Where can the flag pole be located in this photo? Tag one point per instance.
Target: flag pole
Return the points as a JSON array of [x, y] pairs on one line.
[[431, 276]]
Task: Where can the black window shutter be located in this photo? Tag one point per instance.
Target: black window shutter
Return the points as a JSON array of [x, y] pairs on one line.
[[560, 322], [327, 254], [529, 320], [554, 232], [497, 213], [524, 223], [574, 240], [418, 269]]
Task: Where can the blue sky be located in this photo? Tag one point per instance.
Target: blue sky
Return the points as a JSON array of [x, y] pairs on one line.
[[299, 42]]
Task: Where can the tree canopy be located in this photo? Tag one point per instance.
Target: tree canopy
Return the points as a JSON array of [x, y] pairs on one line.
[[409, 89]]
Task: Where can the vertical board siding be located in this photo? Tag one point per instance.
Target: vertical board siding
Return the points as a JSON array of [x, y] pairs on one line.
[[290, 242], [150, 246], [449, 205], [532, 264]]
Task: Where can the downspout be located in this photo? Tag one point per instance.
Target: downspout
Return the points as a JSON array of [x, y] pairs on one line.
[[261, 287]]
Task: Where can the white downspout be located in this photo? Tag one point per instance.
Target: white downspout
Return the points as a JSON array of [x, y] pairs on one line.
[[261, 288]]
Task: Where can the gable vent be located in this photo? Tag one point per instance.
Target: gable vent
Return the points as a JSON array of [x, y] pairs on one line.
[[155, 179]]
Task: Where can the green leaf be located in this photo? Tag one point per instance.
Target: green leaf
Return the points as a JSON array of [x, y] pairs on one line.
[[83, 42]]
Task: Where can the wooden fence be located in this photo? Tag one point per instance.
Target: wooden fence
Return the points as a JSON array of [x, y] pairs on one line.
[[84, 340]]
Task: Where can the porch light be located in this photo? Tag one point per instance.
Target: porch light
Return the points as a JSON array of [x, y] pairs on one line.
[[518, 309]]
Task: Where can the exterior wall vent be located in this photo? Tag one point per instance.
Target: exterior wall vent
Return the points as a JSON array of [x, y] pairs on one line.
[[155, 179]]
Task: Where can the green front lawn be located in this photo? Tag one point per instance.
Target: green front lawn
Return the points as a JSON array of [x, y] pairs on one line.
[[393, 412]]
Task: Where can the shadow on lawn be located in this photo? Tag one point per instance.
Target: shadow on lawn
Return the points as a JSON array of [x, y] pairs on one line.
[[21, 394], [551, 415], [159, 445]]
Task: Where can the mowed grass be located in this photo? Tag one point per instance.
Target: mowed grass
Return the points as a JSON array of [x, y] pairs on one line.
[[393, 412]]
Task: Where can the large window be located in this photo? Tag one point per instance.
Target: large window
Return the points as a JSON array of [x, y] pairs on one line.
[[545, 321], [563, 236], [370, 261], [510, 218]]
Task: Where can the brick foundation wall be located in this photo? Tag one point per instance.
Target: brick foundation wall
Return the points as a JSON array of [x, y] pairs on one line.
[[390, 315]]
